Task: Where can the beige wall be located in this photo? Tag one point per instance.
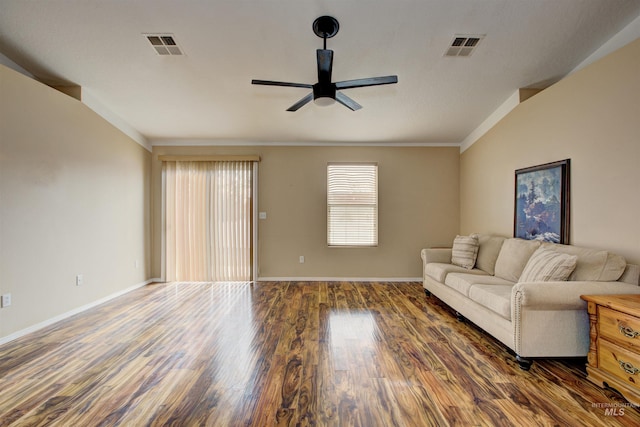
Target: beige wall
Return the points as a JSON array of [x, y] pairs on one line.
[[591, 117], [74, 199], [418, 207]]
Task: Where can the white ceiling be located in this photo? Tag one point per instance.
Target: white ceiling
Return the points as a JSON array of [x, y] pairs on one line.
[[206, 94]]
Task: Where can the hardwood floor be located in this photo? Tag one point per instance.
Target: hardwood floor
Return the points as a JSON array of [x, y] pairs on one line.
[[281, 353]]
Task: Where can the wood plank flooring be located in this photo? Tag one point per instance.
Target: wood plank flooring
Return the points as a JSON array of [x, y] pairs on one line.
[[286, 353]]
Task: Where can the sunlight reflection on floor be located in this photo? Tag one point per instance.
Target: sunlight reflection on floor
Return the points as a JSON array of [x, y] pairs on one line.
[[353, 335]]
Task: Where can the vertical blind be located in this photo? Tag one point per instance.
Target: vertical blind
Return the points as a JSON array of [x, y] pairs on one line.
[[352, 204], [208, 220]]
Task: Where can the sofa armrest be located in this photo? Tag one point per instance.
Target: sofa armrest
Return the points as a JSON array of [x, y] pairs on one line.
[[564, 295], [442, 255]]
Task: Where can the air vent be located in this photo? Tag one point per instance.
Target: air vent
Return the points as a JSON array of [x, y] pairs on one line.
[[164, 44], [463, 45]]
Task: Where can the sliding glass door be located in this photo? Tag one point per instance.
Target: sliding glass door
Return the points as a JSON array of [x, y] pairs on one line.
[[208, 209]]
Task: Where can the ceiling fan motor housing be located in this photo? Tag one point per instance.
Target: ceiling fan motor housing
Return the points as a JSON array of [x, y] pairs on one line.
[[324, 94]]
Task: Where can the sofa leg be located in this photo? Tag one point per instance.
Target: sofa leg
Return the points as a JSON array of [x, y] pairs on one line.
[[524, 363], [460, 317], [427, 293]]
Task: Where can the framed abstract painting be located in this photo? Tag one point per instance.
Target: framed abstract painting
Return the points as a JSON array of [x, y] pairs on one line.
[[542, 202]]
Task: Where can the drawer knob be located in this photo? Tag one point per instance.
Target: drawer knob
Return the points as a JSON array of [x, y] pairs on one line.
[[628, 368], [628, 332]]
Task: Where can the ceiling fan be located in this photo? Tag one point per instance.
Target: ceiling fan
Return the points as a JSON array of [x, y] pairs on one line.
[[324, 91]]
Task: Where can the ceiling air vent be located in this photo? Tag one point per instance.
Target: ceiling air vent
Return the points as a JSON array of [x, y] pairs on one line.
[[463, 45], [164, 44]]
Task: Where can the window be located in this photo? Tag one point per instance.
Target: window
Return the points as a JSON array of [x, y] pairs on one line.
[[352, 204]]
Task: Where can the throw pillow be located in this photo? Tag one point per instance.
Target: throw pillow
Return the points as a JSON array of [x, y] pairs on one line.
[[465, 251], [547, 265]]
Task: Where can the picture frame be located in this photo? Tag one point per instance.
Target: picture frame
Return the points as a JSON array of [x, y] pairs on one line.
[[541, 205]]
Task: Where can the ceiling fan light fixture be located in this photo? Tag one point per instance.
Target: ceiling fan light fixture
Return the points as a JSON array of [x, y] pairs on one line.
[[324, 101]]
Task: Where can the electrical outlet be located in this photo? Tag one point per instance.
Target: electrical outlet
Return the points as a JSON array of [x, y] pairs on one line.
[[79, 280], [6, 300], [137, 264], [301, 259]]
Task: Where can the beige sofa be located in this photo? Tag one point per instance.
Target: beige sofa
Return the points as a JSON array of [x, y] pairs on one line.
[[533, 317]]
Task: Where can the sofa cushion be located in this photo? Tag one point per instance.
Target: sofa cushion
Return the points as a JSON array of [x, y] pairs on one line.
[[593, 264], [513, 257], [459, 282], [546, 265], [631, 275], [488, 250], [462, 282], [464, 251], [496, 298], [613, 268], [438, 271]]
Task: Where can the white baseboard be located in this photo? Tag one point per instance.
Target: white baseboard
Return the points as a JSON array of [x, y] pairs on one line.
[[48, 322], [339, 279]]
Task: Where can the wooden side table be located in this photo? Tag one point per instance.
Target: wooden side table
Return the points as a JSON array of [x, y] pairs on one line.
[[614, 350]]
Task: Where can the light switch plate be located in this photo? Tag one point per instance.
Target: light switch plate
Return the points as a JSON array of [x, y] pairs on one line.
[[6, 300]]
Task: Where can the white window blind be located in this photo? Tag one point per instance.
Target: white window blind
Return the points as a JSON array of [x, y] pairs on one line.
[[352, 204]]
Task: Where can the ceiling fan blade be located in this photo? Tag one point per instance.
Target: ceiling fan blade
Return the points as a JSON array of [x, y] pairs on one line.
[[371, 81], [347, 102], [272, 83], [300, 103], [325, 63]]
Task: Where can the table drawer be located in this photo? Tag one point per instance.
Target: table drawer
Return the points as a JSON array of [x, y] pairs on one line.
[[619, 362], [619, 327]]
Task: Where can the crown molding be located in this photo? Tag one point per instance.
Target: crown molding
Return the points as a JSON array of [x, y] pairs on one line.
[[232, 143]]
